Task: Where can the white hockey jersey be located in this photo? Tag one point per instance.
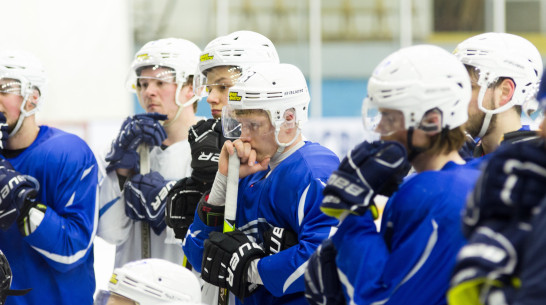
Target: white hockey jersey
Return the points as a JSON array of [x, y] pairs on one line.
[[173, 163]]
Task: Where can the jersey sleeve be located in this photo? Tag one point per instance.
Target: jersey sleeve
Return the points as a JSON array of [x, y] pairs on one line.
[[312, 227], [361, 257], [114, 226], [69, 190], [193, 244]]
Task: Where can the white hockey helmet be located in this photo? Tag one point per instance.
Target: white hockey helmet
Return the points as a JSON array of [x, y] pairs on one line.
[[239, 49], [496, 55], [180, 55], [153, 281], [413, 81], [272, 87], [20, 73]]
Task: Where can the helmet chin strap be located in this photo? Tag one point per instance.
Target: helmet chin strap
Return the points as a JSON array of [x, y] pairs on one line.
[[192, 100], [22, 116], [413, 151], [282, 146]]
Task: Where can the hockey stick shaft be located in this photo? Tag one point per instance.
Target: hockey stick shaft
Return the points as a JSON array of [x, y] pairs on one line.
[[144, 154], [230, 211]]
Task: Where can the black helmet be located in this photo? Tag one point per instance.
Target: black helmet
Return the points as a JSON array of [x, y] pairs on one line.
[[5, 280]]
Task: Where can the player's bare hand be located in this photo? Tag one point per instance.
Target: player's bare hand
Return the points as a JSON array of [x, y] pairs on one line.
[[247, 155]]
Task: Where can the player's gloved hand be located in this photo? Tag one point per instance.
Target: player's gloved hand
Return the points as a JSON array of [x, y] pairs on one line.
[[226, 258], [322, 285], [3, 132], [145, 197], [369, 169], [211, 215], [182, 201], [510, 187], [277, 239], [16, 190], [485, 268], [141, 128], [206, 141]]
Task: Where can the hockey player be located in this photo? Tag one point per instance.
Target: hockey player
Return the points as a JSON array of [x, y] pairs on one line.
[[5, 281], [48, 177], [151, 281], [161, 74], [504, 221], [221, 62], [419, 98], [281, 184], [505, 71]]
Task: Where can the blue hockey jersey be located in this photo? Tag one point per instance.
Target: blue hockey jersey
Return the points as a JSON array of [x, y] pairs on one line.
[[410, 260], [287, 197], [56, 260]]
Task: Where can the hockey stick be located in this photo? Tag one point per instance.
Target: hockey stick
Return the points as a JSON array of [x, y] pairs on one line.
[[230, 209], [143, 152]]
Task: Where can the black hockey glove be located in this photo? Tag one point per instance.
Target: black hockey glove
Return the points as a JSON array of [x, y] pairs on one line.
[[322, 285], [277, 239], [206, 141], [4, 133], [226, 259], [145, 197], [141, 128], [211, 215], [369, 169], [182, 201], [16, 191], [511, 186]]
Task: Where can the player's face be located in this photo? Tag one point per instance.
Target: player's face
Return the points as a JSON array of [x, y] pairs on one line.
[[10, 101], [475, 115], [257, 130], [219, 80], [157, 91]]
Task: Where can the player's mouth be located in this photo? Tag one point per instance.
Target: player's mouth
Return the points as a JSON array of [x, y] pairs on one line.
[[216, 112]]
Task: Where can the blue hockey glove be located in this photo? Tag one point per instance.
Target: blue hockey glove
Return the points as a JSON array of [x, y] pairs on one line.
[[369, 169], [511, 186], [322, 285], [4, 133], [206, 141], [16, 191], [278, 239], [226, 258], [486, 267], [145, 197], [182, 201], [141, 128]]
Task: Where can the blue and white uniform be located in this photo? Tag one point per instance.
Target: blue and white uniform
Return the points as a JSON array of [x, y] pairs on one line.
[[173, 163], [288, 196], [56, 260], [410, 260]]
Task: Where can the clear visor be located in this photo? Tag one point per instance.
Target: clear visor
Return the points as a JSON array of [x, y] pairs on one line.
[[216, 80], [245, 123], [382, 121], [142, 77], [10, 86], [109, 298]]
